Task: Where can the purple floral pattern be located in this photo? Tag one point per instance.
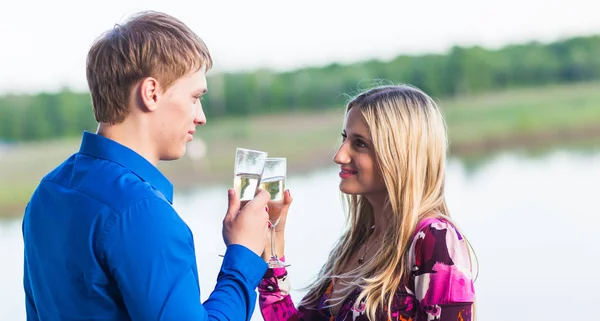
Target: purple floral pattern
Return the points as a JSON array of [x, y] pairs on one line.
[[440, 287]]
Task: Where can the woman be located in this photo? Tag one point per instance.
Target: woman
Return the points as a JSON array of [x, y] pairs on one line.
[[401, 257]]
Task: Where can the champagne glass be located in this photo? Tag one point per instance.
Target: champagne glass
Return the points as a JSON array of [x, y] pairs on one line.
[[248, 170], [273, 181]]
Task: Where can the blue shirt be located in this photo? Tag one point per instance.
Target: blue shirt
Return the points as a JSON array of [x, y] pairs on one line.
[[103, 242]]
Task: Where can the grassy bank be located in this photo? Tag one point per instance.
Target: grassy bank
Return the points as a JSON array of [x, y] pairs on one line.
[[478, 125]]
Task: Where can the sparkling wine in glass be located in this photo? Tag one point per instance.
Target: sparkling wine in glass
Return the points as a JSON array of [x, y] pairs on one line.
[[248, 171], [273, 181]]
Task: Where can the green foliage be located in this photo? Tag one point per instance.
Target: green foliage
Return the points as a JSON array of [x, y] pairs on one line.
[[461, 71], [45, 116]]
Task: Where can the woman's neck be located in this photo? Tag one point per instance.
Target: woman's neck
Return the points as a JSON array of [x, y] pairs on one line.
[[379, 214]]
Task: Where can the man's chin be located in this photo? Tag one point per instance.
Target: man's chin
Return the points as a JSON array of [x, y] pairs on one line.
[[173, 156]]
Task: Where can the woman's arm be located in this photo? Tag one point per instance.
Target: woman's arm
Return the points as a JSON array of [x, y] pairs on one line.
[[274, 290], [442, 273], [274, 296]]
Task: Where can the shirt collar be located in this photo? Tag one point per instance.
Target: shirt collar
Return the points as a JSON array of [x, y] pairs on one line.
[[101, 147]]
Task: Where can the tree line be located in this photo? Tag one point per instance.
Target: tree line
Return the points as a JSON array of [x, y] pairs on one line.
[[459, 71]]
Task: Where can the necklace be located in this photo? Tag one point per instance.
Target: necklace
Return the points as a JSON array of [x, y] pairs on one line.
[[361, 259]]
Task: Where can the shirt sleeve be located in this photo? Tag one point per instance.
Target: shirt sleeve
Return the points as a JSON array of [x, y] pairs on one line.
[[150, 253], [442, 273], [276, 303], [30, 309], [274, 296]]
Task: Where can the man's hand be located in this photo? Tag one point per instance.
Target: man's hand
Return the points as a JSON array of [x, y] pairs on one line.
[[248, 226]]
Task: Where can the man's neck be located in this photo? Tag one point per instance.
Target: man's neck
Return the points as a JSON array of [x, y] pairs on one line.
[[132, 136]]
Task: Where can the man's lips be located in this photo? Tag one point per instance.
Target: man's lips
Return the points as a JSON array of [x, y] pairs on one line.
[[191, 135]]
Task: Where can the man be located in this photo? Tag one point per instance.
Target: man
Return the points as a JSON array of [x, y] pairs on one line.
[[102, 240]]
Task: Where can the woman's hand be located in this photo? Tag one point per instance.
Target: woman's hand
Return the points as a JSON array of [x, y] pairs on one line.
[[278, 209]]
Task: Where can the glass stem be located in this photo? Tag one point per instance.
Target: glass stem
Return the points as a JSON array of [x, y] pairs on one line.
[[273, 251]]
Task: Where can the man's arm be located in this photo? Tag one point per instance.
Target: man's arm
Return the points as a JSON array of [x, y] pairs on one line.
[[241, 272], [29, 303], [150, 253], [30, 309]]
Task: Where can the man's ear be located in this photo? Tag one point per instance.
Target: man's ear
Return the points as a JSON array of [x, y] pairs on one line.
[[149, 93]]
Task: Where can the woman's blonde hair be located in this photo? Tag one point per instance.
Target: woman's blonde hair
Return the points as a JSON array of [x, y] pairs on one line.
[[410, 143]]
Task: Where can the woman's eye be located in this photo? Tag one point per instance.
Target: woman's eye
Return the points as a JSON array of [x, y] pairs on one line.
[[360, 143]]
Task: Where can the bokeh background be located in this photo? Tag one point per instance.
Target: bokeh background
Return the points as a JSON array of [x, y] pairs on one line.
[[518, 82]]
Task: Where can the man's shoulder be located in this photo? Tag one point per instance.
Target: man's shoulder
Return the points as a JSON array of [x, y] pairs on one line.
[[101, 180]]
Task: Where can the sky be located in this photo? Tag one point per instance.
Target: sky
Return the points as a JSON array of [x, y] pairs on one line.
[[43, 44]]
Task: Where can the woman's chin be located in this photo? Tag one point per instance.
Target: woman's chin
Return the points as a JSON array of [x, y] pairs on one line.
[[344, 188]]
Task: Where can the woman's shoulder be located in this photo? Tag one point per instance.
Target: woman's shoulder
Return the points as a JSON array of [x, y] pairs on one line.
[[440, 263], [431, 226], [438, 241]]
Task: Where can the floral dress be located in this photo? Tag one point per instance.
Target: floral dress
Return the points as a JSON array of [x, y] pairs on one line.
[[440, 287]]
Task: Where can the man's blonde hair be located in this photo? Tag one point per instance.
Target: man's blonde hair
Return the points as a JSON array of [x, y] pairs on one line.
[[148, 44]]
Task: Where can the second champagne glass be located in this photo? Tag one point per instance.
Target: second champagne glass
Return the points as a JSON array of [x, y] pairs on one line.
[[273, 181]]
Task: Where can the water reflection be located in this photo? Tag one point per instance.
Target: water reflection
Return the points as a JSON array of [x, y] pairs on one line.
[[532, 221]]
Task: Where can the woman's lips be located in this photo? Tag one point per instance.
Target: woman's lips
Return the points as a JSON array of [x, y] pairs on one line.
[[346, 173]]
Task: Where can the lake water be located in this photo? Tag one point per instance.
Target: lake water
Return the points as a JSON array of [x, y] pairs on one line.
[[533, 221]]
